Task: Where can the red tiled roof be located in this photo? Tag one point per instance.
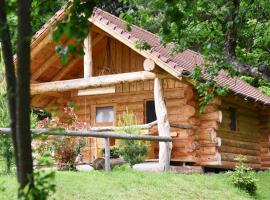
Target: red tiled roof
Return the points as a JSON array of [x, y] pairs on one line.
[[180, 61], [185, 60]]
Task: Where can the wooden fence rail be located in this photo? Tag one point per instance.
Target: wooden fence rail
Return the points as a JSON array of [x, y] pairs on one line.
[[106, 135]]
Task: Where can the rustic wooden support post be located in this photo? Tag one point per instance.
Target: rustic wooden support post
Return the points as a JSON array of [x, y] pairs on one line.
[[163, 125], [107, 153], [88, 60]]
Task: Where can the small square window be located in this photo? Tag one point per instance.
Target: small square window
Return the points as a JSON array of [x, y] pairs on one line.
[[104, 114], [233, 118]]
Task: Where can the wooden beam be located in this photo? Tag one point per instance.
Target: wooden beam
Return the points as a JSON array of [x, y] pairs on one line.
[[65, 70], [163, 124], [96, 91], [87, 59], [93, 82], [86, 133], [44, 67], [45, 41]]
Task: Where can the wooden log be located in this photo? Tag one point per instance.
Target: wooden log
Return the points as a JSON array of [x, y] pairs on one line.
[[231, 157], [215, 101], [84, 133], [214, 116], [99, 163], [107, 154], [150, 66], [209, 124], [66, 85], [231, 164], [163, 124], [229, 149], [113, 128], [87, 59], [240, 144], [44, 67]]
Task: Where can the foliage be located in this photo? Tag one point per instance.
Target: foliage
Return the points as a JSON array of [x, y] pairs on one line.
[[132, 151], [114, 152], [142, 45], [44, 186], [64, 149], [229, 36], [244, 177]]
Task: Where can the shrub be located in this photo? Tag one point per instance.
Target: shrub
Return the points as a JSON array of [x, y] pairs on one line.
[[133, 151], [114, 152], [243, 177], [64, 149]]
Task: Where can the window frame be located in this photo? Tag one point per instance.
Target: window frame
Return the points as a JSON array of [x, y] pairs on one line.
[[94, 113]]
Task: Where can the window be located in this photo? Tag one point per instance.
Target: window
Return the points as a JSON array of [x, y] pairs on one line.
[[150, 111], [104, 114], [233, 119]]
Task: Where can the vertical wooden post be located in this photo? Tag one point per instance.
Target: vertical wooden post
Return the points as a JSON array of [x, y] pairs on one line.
[[88, 60], [107, 154], [163, 125]]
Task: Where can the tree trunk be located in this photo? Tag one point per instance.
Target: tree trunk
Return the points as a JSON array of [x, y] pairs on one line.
[[10, 76], [23, 94]]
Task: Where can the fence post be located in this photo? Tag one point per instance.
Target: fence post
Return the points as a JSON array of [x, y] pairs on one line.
[[107, 154], [167, 156]]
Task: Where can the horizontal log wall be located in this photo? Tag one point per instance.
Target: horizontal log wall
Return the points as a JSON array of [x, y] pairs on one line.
[[264, 138], [133, 96], [245, 140]]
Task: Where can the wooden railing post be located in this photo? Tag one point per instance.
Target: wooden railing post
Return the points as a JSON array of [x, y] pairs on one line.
[[107, 153], [163, 125]]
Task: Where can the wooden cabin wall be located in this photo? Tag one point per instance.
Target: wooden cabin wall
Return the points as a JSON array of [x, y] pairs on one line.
[[134, 96], [207, 134], [265, 138], [113, 57], [245, 139]]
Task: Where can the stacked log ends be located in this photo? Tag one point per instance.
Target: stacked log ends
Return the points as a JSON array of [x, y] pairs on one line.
[[183, 111], [209, 142]]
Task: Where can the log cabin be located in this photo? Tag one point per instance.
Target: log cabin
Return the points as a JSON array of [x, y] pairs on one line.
[[153, 84]]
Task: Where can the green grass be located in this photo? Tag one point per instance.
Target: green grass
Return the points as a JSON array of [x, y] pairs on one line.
[[129, 184]]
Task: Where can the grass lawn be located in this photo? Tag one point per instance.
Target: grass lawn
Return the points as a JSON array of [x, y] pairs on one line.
[[128, 184]]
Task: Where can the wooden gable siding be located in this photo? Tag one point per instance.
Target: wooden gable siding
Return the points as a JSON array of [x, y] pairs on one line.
[[113, 57]]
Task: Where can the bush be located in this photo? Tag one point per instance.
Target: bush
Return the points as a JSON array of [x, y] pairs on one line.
[[243, 177], [64, 149], [114, 152], [133, 151]]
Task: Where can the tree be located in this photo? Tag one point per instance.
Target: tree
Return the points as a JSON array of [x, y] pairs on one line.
[[18, 89], [233, 34]]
